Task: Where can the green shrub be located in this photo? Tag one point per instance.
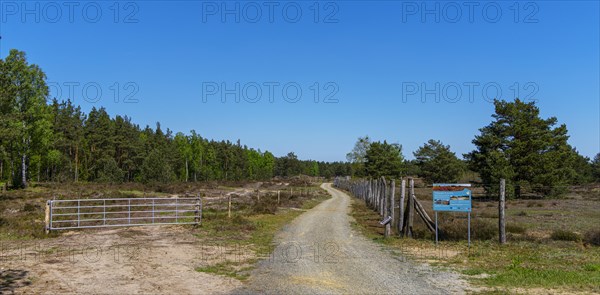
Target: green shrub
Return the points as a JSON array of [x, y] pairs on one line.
[[593, 237], [564, 235]]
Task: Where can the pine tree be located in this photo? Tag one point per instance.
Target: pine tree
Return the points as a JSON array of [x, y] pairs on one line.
[[384, 159], [596, 168], [528, 151], [437, 163]]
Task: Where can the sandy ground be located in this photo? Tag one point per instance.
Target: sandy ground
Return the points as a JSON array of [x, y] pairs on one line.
[[319, 253], [120, 261]]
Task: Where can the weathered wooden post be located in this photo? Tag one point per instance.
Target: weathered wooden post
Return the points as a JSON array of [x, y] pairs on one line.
[[378, 197], [198, 210], [501, 216], [370, 196], [377, 190], [401, 207], [278, 197], [410, 204], [384, 198], [229, 206], [375, 194], [47, 218], [390, 209]]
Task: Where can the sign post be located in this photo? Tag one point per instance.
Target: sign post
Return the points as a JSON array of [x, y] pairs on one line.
[[452, 197]]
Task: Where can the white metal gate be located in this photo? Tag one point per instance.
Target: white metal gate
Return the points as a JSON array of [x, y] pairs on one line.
[[96, 213]]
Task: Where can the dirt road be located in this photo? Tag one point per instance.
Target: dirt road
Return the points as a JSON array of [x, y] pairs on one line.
[[319, 253]]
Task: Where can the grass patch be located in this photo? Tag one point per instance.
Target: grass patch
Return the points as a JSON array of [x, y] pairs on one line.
[[515, 228], [564, 235], [228, 269]]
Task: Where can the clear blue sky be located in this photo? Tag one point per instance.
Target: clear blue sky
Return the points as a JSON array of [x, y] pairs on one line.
[[375, 52]]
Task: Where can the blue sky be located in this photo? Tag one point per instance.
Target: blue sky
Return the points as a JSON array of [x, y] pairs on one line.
[[377, 60]]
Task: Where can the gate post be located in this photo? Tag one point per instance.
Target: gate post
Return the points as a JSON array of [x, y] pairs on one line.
[[47, 217], [198, 218]]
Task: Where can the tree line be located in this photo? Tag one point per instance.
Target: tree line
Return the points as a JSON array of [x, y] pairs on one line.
[[44, 139], [530, 152]]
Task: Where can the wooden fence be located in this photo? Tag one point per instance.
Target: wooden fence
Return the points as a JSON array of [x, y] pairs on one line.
[[380, 196]]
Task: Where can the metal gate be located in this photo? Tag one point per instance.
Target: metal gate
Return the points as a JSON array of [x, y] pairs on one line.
[[97, 213]]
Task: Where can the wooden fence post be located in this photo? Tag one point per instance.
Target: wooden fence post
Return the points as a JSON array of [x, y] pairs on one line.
[[229, 207], [410, 204], [383, 199], [501, 216], [278, 197], [390, 209], [47, 217], [370, 193], [401, 207]]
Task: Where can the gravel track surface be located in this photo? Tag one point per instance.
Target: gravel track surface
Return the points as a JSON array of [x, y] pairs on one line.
[[319, 253]]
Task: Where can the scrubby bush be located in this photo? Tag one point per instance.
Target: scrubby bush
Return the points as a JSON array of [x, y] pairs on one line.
[[593, 237], [564, 235], [266, 205]]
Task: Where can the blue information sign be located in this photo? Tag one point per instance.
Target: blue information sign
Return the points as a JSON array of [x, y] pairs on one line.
[[451, 197]]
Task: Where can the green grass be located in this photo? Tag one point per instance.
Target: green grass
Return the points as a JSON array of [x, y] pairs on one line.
[[228, 269]]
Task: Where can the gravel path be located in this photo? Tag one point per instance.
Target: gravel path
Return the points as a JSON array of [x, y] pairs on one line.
[[319, 253]]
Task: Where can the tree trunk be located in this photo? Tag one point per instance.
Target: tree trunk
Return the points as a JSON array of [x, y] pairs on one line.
[[12, 170], [24, 170], [186, 170], [76, 163]]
